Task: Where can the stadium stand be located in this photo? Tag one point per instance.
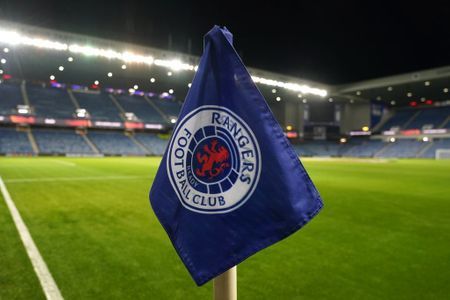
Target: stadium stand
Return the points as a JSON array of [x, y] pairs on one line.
[[405, 148], [418, 118], [50, 102], [346, 147], [323, 148], [14, 142], [302, 151], [51, 141], [106, 100], [399, 119], [99, 106], [114, 143], [67, 141], [170, 107], [447, 123], [140, 107], [402, 149], [437, 144], [431, 117], [10, 97], [320, 148], [367, 148], [154, 144]]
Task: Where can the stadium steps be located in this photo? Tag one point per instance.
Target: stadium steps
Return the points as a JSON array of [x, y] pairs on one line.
[[424, 149], [446, 121], [158, 110], [73, 99], [23, 89], [33, 143], [348, 150], [382, 150], [413, 117], [139, 144], [119, 107], [380, 124], [90, 143]]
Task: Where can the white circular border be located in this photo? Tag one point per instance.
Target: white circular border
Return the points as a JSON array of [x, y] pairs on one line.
[[256, 144]]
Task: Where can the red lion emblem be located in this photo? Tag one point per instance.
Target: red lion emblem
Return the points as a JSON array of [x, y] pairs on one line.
[[212, 157]]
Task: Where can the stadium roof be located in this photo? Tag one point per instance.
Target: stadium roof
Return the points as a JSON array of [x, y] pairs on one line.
[[69, 43], [409, 88], [81, 59]]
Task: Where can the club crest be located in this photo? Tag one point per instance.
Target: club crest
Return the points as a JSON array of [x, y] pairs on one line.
[[213, 160]]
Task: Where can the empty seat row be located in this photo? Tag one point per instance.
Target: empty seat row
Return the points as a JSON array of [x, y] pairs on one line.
[[432, 117], [10, 97], [57, 103], [50, 141], [65, 141], [13, 141]]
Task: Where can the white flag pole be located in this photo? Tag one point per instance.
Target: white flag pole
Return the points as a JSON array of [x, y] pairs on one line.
[[225, 285]]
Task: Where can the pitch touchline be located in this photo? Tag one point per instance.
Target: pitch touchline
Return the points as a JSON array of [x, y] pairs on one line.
[[18, 180], [46, 280]]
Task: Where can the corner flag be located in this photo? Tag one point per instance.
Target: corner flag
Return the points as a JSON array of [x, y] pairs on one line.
[[229, 183]]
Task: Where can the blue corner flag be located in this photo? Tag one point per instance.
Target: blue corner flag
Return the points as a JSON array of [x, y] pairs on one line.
[[229, 183]]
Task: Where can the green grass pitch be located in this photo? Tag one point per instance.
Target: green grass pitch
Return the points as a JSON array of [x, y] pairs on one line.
[[384, 233]]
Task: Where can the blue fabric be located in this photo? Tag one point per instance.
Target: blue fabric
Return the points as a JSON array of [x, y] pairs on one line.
[[260, 192]]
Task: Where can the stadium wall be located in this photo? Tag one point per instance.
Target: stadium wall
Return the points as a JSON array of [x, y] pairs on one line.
[[293, 113], [354, 116]]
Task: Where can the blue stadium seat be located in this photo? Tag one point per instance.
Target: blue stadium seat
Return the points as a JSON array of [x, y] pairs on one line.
[[398, 119], [323, 148], [302, 151], [114, 143], [402, 149], [367, 148], [60, 141], [152, 142], [50, 102], [319, 148], [10, 97], [430, 116], [99, 106], [437, 144], [170, 107], [141, 108], [14, 142]]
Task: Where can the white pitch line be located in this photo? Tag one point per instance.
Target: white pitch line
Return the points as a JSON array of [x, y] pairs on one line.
[[48, 284], [85, 178]]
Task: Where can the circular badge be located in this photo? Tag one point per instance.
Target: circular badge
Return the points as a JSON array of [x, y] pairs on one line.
[[214, 161]]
